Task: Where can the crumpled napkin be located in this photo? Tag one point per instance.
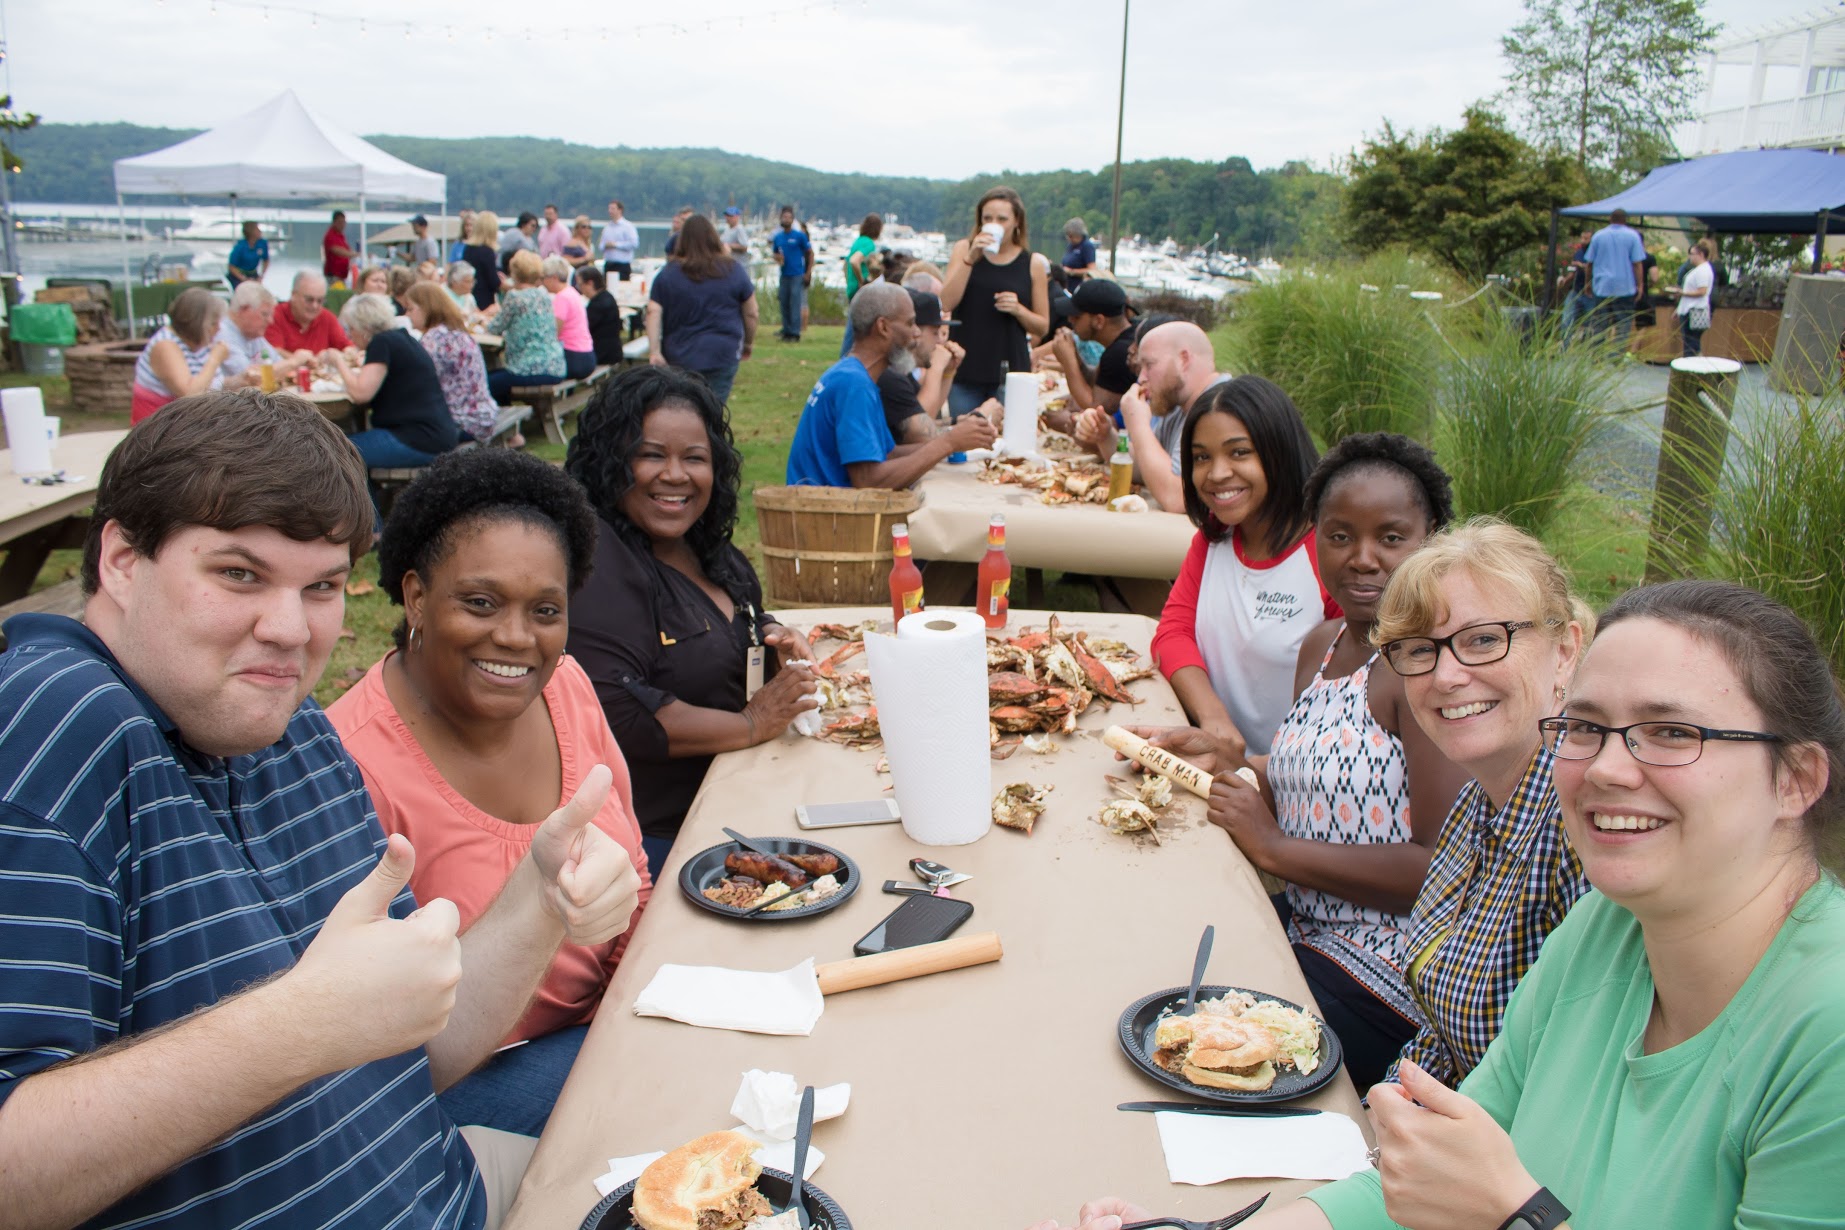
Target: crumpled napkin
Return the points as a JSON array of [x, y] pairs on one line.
[[1206, 1149], [752, 1002], [808, 722], [770, 1104]]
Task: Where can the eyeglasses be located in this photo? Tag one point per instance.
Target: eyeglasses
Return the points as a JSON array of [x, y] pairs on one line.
[[1474, 645], [1655, 743]]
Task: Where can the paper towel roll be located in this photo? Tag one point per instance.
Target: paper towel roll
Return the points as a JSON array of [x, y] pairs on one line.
[[26, 436], [1020, 438], [931, 684]]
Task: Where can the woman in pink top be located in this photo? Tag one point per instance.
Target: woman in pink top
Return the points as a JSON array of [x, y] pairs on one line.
[[572, 319], [472, 732]]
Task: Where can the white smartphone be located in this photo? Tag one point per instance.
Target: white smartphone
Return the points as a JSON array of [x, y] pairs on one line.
[[845, 815]]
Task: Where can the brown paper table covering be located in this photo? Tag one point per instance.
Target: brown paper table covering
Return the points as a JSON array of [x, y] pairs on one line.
[[36, 519], [990, 1091], [952, 525]]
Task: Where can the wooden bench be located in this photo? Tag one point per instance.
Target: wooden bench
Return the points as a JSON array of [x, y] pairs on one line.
[[552, 403], [391, 479], [64, 598]]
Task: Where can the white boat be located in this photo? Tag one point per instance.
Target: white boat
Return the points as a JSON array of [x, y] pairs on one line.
[[218, 226]]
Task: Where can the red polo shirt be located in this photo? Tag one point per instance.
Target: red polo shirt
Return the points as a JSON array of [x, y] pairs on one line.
[[324, 334], [334, 266]]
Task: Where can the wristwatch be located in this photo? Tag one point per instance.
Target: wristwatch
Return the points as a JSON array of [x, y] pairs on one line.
[[1542, 1212]]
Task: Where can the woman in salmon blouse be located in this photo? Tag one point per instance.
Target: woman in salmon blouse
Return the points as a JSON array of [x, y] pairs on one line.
[[478, 725]]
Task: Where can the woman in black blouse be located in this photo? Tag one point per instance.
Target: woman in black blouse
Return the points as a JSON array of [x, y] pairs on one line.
[[602, 312], [671, 621]]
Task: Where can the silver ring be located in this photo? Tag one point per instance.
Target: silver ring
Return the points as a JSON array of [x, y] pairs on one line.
[[1372, 1154]]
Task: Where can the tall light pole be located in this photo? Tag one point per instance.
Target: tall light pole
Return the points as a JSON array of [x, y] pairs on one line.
[[1114, 209]]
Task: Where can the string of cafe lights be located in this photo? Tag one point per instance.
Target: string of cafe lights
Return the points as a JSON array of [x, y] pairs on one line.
[[445, 31]]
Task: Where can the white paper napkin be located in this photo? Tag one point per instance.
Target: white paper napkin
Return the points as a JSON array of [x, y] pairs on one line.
[[625, 1170], [1206, 1149], [779, 1154], [770, 1103], [716, 998]]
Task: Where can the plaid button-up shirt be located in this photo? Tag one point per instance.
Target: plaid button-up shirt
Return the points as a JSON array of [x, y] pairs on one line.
[[1497, 884]]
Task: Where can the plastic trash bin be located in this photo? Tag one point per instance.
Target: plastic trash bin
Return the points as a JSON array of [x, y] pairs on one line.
[[43, 330]]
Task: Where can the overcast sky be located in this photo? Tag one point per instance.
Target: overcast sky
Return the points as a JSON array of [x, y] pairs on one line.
[[948, 88]]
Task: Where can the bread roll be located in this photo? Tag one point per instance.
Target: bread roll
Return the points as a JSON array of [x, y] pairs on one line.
[[704, 1174], [1258, 1079]]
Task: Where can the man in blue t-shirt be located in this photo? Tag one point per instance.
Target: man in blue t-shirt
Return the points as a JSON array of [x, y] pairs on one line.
[[842, 439], [1616, 265], [797, 256], [249, 258], [221, 1004]]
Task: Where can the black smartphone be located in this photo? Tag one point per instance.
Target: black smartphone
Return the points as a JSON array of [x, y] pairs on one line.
[[920, 920]]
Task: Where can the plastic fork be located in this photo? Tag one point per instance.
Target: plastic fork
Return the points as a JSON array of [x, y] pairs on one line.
[[1222, 1223]]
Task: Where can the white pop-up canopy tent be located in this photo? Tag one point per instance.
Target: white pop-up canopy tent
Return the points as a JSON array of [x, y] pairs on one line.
[[281, 149]]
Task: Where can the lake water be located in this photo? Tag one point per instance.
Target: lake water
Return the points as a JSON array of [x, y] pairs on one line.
[[41, 259]]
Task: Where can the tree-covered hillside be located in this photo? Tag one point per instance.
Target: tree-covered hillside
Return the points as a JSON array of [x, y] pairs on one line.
[[1283, 211]]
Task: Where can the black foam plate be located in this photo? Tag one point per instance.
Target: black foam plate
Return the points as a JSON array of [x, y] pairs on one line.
[[1142, 1018], [616, 1210], [704, 869]]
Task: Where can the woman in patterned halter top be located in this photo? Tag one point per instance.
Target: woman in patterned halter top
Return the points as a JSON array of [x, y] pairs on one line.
[[1354, 793]]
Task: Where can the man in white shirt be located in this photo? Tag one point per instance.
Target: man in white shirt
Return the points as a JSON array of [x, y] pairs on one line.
[[246, 349], [620, 239], [735, 239]]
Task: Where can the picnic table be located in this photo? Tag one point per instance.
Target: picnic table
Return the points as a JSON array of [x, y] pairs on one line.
[[338, 408], [989, 1091], [36, 520], [952, 525]]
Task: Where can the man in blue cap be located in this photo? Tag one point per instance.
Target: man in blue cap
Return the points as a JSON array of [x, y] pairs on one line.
[[736, 239]]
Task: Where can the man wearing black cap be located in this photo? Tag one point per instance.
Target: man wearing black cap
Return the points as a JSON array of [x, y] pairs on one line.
[[913, 399], [1098, 313]]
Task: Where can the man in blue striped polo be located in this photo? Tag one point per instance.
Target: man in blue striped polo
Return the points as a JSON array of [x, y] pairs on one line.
[[219, 1003]]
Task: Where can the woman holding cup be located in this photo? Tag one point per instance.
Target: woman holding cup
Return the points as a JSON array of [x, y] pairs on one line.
[[998, 290]]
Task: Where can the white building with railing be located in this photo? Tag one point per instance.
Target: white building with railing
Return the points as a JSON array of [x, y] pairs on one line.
[[1776, 86]]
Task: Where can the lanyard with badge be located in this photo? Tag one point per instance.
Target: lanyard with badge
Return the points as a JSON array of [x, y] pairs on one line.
[[756, 657]]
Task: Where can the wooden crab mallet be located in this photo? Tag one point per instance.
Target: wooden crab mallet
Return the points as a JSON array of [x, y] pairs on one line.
[[1159, 760]]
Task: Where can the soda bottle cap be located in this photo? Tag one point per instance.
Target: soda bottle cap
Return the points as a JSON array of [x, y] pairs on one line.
[[998, 522], [900, 530]]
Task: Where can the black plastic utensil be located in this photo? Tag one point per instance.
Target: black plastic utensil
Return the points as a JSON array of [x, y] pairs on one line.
[[1198, 963], [1212, 1108], [747, 844], [783, 899], [1223, 1223], [803, 1132]]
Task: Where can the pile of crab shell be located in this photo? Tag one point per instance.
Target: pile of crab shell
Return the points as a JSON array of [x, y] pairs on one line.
[[1037, 682], [1066, 480]]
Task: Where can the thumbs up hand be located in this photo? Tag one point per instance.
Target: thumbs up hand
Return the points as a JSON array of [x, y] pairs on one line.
[[370, 985], [590, 885]]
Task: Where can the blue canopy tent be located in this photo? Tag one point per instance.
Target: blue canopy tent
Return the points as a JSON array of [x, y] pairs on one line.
[[1748, 192]]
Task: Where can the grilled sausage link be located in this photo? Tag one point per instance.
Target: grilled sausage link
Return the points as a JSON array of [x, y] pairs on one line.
[[765, 867]]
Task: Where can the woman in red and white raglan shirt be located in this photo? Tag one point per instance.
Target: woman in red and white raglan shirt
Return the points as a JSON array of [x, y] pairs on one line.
[[1250, 590]]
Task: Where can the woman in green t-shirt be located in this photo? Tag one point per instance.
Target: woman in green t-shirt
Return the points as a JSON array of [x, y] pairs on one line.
[[1676, 1057]]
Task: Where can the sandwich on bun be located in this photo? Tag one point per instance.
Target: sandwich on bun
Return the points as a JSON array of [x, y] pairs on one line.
[[708, 1184], [1218, 1051]]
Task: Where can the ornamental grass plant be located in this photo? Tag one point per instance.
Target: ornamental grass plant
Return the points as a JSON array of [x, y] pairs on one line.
[[1779, 523], [1516, 412], [1350, 346]]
